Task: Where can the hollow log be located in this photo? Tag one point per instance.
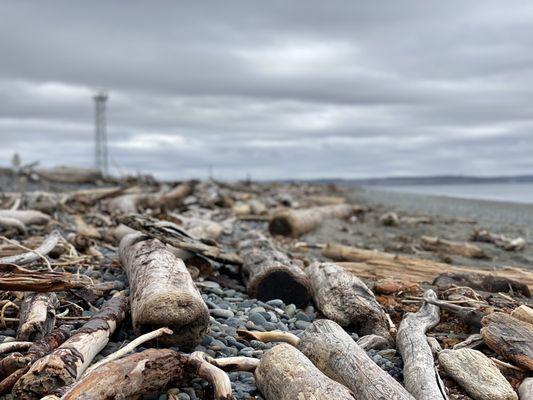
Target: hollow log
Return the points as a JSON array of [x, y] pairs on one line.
[[162, 292], [270, 274], [476, 374], [523, 313], [172, 234], [37, 315], [13, 277], [440, 245], [67, 363], [420, 375], [336, 354], [27, 217], [375, 265], [48, 244], [295, 223], [525, 391], [510, 338], [284, 373], [345, 299]]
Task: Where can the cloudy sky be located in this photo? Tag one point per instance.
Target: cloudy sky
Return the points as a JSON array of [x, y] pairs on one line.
[[276, 89]]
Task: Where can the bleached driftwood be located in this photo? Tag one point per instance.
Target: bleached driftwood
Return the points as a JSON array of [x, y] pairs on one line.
[[375, 265], [7, 223], [298, 222], [525, 391], [345, 299], [48, 244], [476, 374], [37, 315], [284, 373], [67, 363], [13, 277], [199, 228], [269, 273], [420, 376], [440, 245], [9, 347], [70, 174], [162, 292], [523, 313], [27, 217], [502, 241], [509, 337]]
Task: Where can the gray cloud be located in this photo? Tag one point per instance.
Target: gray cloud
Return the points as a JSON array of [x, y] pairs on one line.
[[277, 89]]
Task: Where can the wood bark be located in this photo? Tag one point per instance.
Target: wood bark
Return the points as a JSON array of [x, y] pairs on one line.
[[27, 217], [444, 246], [525, 391], [48, 244], [13, 277], [345, 299], [375, 265], [162, 291], [420, 376], [67, 363], [523, 313], [476, 374], [510, 338], [37, 315], [284, 373], [270, 274], [336, 354], [298, 222], [173, 235]]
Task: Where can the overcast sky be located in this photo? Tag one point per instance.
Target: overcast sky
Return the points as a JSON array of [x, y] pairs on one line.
[[277, 89]]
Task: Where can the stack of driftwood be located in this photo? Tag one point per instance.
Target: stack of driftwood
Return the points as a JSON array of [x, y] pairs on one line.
[[459, 330]]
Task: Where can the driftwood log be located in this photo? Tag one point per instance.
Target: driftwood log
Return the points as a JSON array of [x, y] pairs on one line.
[[172, 234], [525, 391], [27, 217], [295, 223], [46, 247], [37, 315], [70, 174], [269, 273], [162, 291], [375, 265], [13, 277], [420, 376], [444, 246], [67, 363], [284, 373], [345, 299], [486, 282], [504, 242], [510, 338], [476, 374], [523, 313], [7, 223]]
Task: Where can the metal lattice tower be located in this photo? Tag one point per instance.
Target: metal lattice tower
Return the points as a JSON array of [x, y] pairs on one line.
[[100, 132]]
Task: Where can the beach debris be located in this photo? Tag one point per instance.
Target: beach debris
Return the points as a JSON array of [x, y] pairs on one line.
[[26, 217], [296, 222], [439, 245], [13, 277], [37, 315], [489, 283], [504, 242], [162, 291], [389, 219], [523, 313], [269, 273]]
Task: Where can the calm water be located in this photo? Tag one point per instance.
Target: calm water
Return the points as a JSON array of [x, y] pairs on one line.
[[513, 192]]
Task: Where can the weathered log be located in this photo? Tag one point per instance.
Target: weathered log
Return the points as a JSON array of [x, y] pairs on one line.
[[336, 354], [484, 282], [67, 363], [7, 223], [199, 228], [162, 292], [345, 299], [27, 217], [70, 174], [525, 391], [13, 277], [523, 313], [298, 222], [375, 342], [509, 337], [48, 244], [420, 375], [440, 245], [9, 347], [284, 373], [173, 235], [375, 265], [508, 244], [270, 274], [37, 315], [476, 374]]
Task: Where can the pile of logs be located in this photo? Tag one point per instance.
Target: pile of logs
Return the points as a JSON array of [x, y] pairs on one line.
[[458, 330]]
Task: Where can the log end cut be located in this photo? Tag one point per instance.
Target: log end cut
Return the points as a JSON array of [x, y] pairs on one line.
[[280, 283]]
